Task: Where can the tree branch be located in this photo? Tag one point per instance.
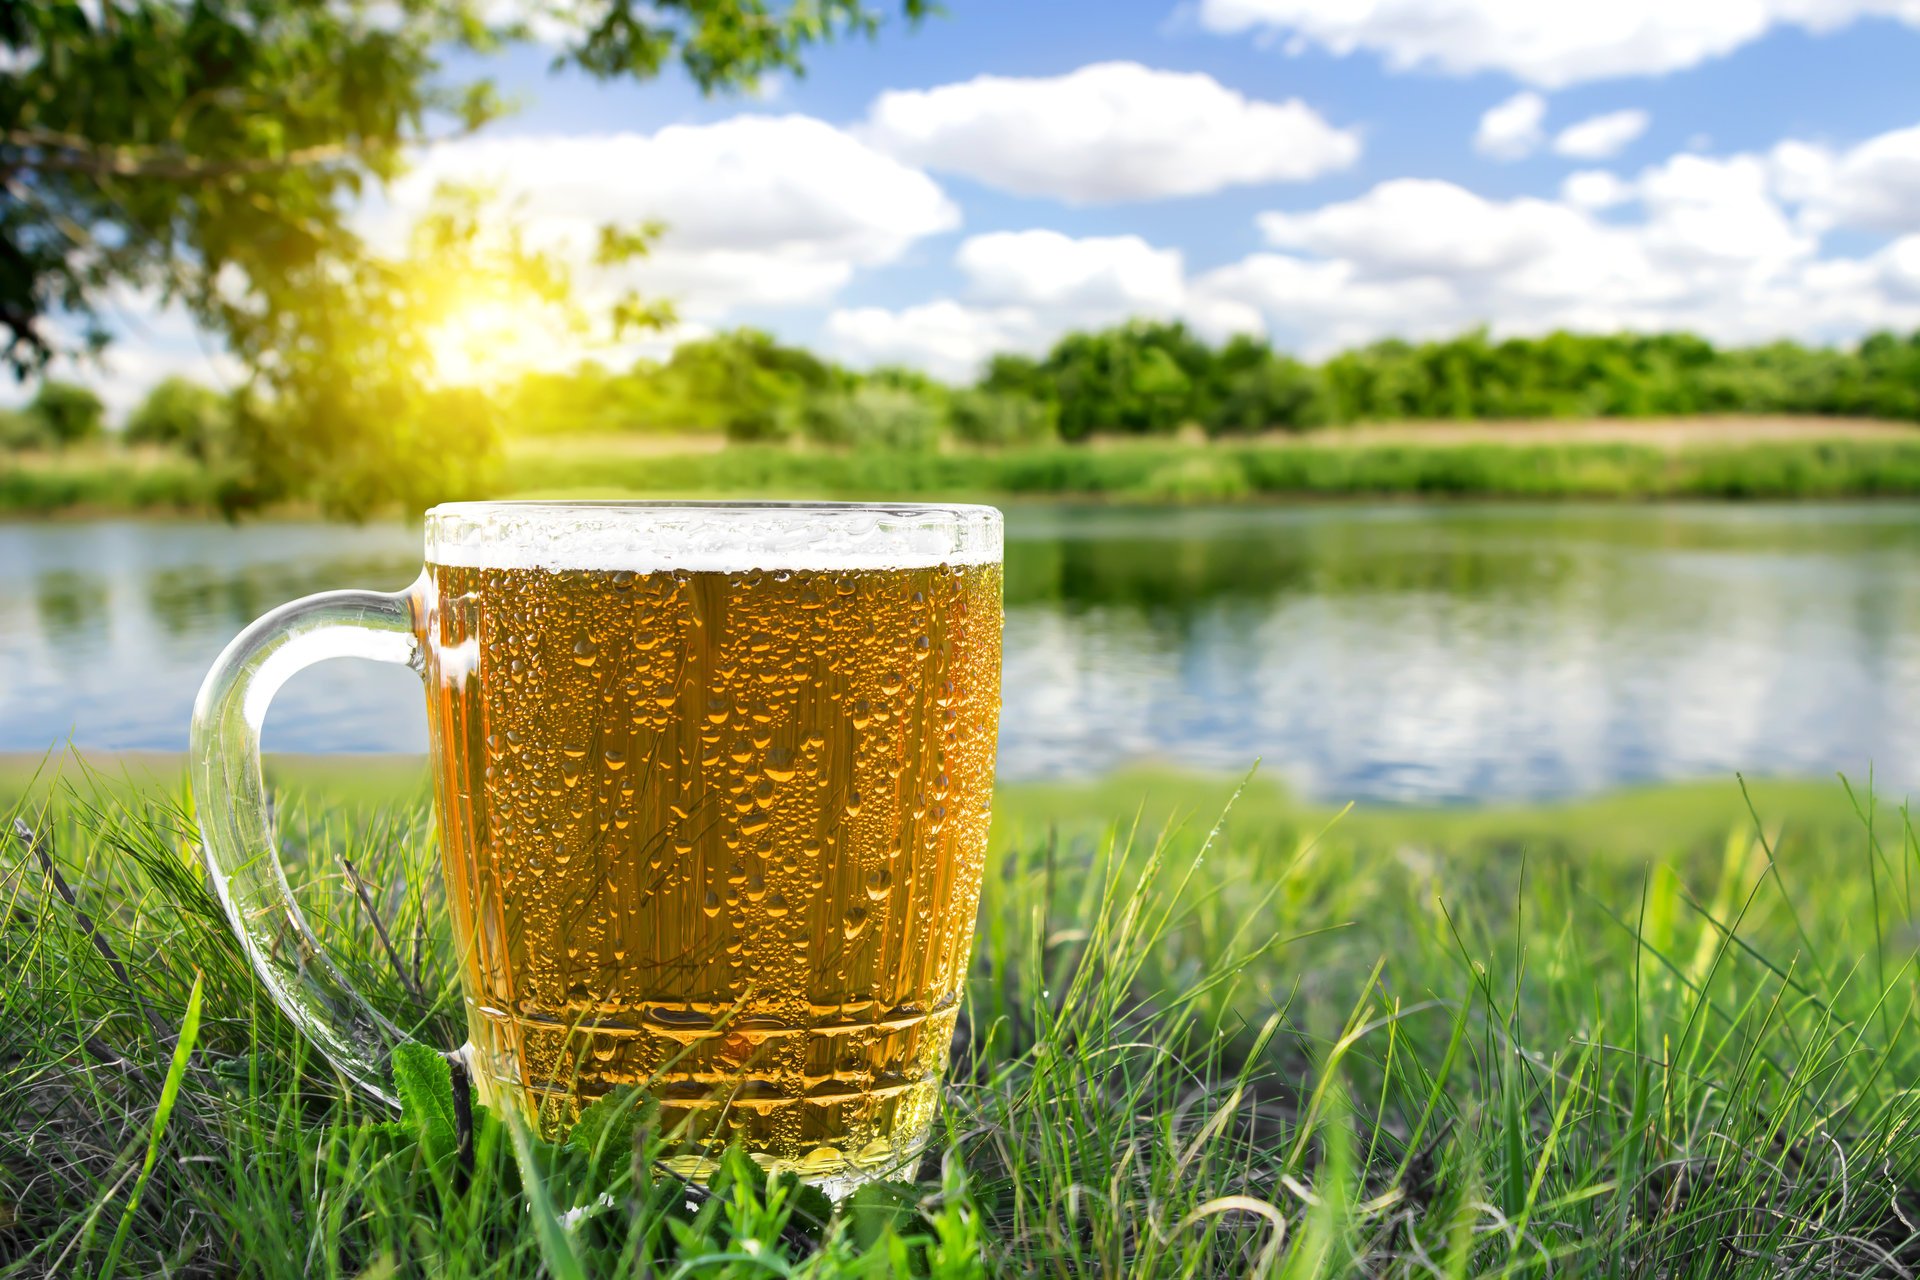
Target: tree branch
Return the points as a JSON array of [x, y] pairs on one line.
[[56, 152], [72, 153]]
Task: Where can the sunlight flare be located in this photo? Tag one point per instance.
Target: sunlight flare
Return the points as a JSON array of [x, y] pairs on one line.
[[486, 340]]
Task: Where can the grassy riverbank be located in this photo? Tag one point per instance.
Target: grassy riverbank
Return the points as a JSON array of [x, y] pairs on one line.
[[1466, 1044], [106, 481], [1810, 459], [1813, 468]]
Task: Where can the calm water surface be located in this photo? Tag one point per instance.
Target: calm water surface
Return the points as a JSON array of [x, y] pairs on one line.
[[1393, 652]]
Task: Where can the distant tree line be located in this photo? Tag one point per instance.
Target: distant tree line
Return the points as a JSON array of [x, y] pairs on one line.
[[1149, 379], [1143, 379]]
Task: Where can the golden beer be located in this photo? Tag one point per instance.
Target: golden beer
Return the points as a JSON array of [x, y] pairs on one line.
[[717, 833]]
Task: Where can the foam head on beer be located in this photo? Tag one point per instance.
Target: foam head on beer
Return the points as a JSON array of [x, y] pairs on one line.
[[714, 788]]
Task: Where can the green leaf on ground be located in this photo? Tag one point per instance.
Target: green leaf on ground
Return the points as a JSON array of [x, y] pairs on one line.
[[424, 1082], [812, 1210], [603, 1135], [877, 1207]]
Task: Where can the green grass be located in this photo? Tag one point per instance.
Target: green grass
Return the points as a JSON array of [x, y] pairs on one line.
[[1171, 472], [1152, 472], [1639, 1036], [104, 480]]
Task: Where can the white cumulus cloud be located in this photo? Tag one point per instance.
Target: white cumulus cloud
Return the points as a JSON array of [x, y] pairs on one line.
[[1102, 275], [1719, 245], [760, 210], [1549, 43], [1111, 131], [1595, 189], [1899, 265], [1423, 226], [1023, 290], [948, 339], [1511, 130], [1711, 245], [1318, 307], [1874, 185], [1708, 209], [767, 211], [1602, 136]]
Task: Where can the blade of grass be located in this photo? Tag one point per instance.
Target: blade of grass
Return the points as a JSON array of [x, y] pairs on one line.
[[169, 1095], [556, 1242]]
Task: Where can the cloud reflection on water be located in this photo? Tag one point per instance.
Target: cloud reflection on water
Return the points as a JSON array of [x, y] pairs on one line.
[[1393, 652]]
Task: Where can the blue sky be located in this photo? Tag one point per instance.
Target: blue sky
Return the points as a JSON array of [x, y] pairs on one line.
[[1318, 171]]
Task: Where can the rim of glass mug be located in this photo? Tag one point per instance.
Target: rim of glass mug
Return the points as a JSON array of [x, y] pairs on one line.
[[644, 535]]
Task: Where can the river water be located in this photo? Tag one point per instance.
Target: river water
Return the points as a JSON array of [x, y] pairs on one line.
[[1392, 652]]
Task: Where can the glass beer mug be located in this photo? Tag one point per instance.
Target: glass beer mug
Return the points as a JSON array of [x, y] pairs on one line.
[[713, 784]]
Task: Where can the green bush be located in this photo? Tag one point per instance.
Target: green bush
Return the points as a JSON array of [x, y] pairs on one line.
[[113, 482], [1142, 378], [1149, 379], [591, 400], [994, 418], [1271, 391], [69, 414], [745, 383], [182, 414], [762, 421], [1012, 374], [878, 417], [21, 431], [1203, 477]]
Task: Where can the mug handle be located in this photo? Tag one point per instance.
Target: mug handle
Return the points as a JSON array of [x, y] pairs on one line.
[[236, 824]]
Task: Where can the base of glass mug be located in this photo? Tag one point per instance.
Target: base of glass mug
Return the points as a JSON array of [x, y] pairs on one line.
[[835, 1174]]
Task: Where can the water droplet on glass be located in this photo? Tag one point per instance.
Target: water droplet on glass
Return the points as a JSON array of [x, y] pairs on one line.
[[854, 922]]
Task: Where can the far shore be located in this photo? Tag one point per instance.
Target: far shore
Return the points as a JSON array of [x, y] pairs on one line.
[[1671, 433], [1622, 459]]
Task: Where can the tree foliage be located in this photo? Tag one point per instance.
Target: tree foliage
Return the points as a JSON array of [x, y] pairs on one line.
[[1154, 378], [208, 155], [67, 415], [181, 414], [745, 383], [1151, 379], [1140, 378]]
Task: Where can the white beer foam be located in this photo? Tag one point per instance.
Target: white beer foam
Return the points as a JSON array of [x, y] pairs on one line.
[[652, 537]]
